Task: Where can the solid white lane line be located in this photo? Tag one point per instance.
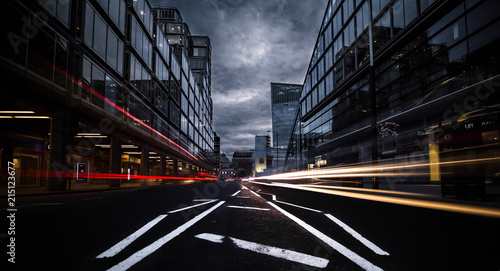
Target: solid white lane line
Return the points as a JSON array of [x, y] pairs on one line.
[[211, 237], [298, 206], [193, 206], [362, 262], [255, 193], [237, 192], [358, 236], [250, 208], [131, 238], [143, 253], [269, 250]]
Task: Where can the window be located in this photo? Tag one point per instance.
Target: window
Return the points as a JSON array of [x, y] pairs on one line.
[[60, 8], [103, 40], [410, 11]]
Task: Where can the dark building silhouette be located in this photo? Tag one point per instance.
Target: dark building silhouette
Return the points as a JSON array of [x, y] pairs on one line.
[[99, 87]]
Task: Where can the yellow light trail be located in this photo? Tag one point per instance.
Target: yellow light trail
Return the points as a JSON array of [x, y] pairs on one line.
[[442, 206]]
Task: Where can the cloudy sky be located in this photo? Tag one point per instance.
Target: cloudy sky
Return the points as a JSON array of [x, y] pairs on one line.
[[254, 43]]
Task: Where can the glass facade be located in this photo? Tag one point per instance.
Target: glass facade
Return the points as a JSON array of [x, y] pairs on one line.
[[416, 65], [115, 67], [284, 102]]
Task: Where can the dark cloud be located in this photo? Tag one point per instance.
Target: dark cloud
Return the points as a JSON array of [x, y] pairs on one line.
[[254, 43]]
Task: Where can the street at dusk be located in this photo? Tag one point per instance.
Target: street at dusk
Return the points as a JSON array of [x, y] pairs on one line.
[[250, 135]]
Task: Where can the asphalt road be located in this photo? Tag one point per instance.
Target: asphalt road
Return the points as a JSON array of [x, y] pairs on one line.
[[242, 226]]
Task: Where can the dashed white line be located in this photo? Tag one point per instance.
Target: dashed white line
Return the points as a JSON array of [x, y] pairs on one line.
[[358, 236], [131, 238], [249, 208], [269, 250], [143, 253], [255, 193], [362, 262], [237, 192], [298, 206], [193, 206], [203, 199]]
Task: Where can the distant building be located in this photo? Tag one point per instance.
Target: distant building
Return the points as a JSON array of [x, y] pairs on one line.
[[224, 161], [284, 104], [242, 160], [262, 159]]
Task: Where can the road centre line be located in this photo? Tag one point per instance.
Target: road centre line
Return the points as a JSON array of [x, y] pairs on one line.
[[143, 253], [237, 192], [358, 236], [255, 193], [131, 238], [269, 250], [362, 262], [193, 206], [298, 206], [250, 208]]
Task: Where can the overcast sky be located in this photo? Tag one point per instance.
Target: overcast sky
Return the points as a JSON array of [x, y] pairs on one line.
[[254, 43]]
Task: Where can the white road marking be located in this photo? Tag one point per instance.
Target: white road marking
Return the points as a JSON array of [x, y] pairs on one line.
[[250, 208], [193, 206], [237, 192], [298, 206], [255, 193], [211, 237], [269, 250], [244, 188], [131, 238], [203, 199], [362, 262], [358, 236], [243, 197], [143, 253]]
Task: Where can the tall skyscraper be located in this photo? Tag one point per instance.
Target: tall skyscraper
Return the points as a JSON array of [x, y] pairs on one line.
[[284, 103]]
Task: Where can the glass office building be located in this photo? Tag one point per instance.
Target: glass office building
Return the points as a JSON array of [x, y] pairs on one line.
[[95, 88], [413, 81], [284, 103]]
